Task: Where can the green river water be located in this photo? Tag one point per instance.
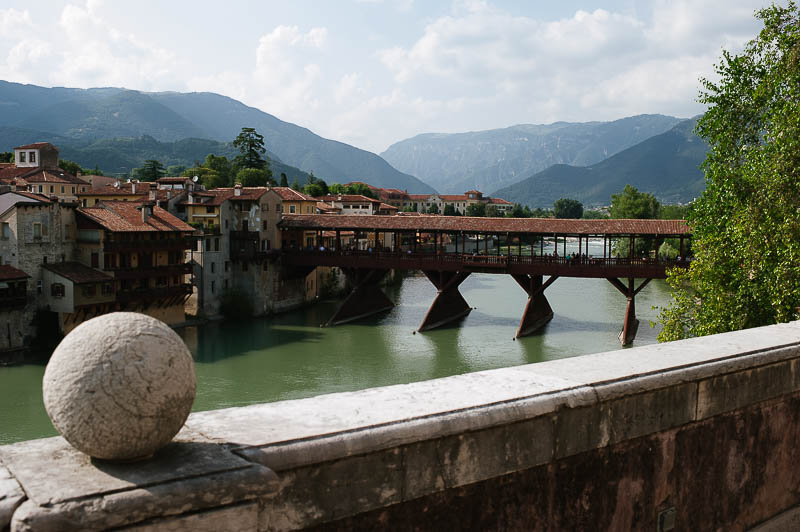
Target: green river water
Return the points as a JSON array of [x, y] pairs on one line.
[[289, 356]]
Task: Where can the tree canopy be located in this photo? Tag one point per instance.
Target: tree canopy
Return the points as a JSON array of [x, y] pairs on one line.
[[568, 208], [251, 148], [630, 203], [746, 237], [150, 170]]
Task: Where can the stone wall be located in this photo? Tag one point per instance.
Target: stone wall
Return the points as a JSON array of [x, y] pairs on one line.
[[692, 435]]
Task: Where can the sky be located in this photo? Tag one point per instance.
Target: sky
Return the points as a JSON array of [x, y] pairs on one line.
[[374, 72]]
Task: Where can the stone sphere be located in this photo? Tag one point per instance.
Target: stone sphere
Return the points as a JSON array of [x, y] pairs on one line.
[[120, 386]]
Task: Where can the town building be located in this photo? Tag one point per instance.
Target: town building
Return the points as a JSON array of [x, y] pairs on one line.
[[13, 300], [36, 170], [143, 249]]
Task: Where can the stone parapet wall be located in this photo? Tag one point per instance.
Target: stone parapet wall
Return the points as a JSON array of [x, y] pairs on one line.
[[692, 435]]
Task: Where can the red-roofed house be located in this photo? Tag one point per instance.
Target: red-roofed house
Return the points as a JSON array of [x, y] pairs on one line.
[[143, 248], [36, 169]]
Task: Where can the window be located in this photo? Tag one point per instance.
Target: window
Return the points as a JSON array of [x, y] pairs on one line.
[[227, 265], [57, 290], [208, 244], [89, 290], [209, 210], [281, 208], [44, 259], [216, 244], [39, 287], [40, 189], [5, 230], [22, 156], [265, 207], [62, 189], [212, 287], [32, 156], [52, 189], [108, 288], [73, 190], [212, 267], [95, 260], [37, 231], [83, 203], [264, 225], [291, 208]]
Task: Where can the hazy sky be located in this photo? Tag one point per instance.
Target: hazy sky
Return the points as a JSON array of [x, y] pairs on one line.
[[372, 72]]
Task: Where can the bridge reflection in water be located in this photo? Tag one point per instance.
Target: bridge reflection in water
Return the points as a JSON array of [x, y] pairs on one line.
[[448, 249]]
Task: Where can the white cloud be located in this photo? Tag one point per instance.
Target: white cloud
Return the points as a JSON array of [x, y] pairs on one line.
[[14, 23], [287, 70]]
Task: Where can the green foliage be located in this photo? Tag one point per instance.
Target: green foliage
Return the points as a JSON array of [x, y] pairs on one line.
[[745, 230], [476, 209], [296, 185], [433, 209], [284, 180], [594, 215], [409, 208], [631, 203], [251, 148], [254, 177], [70, 167], [150, 170], [314, 190], [175, 169], [235, 304], [568, 208], [674, 212], [7, 157], [449, 210], [666, 251], [541, 213], [353, 188], [492, 211]]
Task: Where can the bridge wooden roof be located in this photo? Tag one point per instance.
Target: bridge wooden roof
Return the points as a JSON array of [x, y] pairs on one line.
[[456, 224]]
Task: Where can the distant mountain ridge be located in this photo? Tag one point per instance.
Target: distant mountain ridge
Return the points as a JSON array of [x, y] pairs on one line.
[[493, 159], [666, 165], [88, 115]]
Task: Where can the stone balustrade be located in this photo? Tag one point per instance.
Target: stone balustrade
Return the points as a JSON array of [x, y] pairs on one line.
[[693, 435]]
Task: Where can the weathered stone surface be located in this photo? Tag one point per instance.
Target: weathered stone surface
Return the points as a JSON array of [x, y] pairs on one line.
[[237, 518], [120, 386], [69, 491], [11, 496]]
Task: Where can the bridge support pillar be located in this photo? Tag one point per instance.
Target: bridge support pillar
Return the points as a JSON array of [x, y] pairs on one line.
[[365, 299], [631, 324], [537, 311], [449, 304]]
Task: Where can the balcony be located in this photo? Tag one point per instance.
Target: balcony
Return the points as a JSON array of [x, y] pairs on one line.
[[161, 292], [150, 272], [110, 246]]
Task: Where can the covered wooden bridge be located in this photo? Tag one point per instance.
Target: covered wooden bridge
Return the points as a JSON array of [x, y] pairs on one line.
[[447, 249]]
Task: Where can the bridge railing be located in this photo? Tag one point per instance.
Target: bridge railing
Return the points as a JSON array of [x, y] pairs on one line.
[[487, 260]]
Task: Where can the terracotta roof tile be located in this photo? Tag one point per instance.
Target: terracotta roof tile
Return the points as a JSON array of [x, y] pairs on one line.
[[126, 216], [347, 198], [77, 272], [35, 145], [289, 194], [10, 273], [53, 175], [544, 226]]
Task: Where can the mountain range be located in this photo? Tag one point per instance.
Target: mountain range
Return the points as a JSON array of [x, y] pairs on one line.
[[76, 120], [493, 159], [666, 165]]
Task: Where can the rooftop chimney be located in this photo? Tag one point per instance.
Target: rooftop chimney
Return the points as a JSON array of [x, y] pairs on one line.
[[152, 194], [133, 187], [237, 190], [147, 210]]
